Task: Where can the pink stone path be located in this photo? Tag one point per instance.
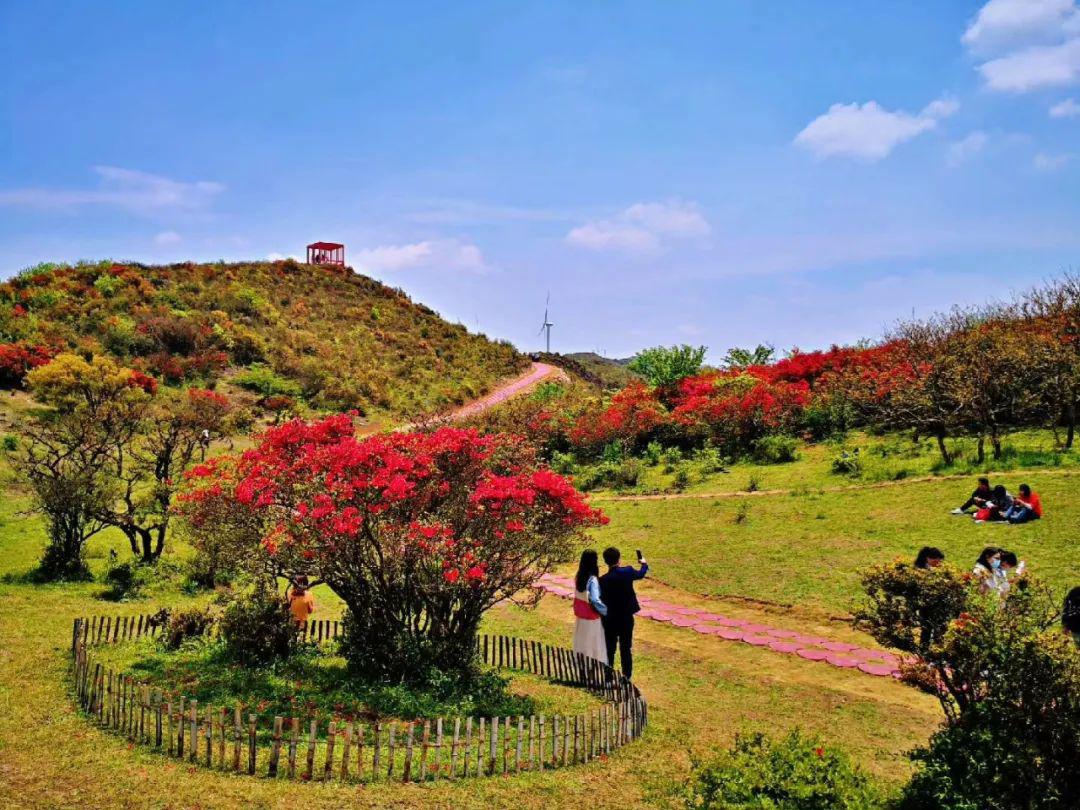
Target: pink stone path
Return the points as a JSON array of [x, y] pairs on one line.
[[516, 386], [840, 654]]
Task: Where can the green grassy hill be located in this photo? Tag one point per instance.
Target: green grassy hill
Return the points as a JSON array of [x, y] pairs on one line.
[[329, 337]]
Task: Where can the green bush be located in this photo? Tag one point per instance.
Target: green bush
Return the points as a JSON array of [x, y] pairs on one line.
[[847, 463], [794, 773], [682, 479], [776, 449], [262, 380], [653, 453], [257, 627], [1008, 681], [182, 625], [126, 580]]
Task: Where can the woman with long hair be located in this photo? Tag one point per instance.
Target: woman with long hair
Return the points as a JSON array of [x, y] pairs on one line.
[[588, 631]]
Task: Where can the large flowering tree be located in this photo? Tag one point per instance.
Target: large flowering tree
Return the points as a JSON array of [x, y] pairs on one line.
[[418, 533]]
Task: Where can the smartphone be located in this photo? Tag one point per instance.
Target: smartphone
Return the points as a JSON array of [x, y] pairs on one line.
[[639, 555]]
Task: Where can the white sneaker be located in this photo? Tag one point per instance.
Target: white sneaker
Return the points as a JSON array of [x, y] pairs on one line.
[[980, 521], [958, 511]]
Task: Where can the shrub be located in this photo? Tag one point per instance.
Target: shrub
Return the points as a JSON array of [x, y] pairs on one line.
[[776, 449], [262, 380], [794, 773], [847, 463], [627, 473], [682, 479], [653, 453], [126, 580], [418, 533], [1008, 681], [182, 625], [257, 628]]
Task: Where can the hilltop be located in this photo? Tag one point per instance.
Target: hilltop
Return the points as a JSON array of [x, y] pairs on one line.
[[326, 336]]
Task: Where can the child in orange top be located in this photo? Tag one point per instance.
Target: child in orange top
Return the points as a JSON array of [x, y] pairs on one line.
[[301, 601], [1026, 506]]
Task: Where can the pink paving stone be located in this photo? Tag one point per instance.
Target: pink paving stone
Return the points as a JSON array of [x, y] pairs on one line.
[[707, 629], [784, 647], [727, 621], [842, 661], [881, 670], [683, 621], [730, 633], [776, 632], [839, 646], [812, 655], [810, 641], [757, 628], [687, 611], [662, 617], [757, 640]]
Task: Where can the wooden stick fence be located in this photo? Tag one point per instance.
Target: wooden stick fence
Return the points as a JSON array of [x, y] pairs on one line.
[[417, 751]]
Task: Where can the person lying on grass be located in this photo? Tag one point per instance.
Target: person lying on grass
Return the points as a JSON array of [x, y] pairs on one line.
[[1026, 506], [978, 498]]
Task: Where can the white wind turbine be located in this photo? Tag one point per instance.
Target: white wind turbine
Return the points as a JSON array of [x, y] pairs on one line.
[[546, 325]]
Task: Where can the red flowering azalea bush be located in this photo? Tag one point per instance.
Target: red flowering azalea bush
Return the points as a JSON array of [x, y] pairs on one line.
[[735, 411], [418, 533], [631, 417], [19, 359]]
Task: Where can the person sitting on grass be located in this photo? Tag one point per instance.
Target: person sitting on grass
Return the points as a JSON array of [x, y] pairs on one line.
[[301, 601], [1070, 614], [995, 509], [978, 498], [1026, 506], [929, 557]]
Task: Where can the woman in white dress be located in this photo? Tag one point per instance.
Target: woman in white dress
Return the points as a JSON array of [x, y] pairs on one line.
[[588, 629]]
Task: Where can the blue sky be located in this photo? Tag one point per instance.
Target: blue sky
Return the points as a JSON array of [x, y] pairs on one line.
[[723, 173]]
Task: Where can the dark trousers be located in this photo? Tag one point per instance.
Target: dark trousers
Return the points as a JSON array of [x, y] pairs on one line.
[[619, 632]]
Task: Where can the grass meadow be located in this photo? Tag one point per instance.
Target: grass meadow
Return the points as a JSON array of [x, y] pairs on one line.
[[787, 554]]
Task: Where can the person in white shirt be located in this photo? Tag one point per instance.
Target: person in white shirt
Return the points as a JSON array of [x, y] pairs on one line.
[[588, 608]]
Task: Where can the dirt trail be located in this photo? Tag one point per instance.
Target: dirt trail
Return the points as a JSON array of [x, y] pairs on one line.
[[534, 376]]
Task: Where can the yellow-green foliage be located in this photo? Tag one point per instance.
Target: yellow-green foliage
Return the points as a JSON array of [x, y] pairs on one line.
[[344, 340]]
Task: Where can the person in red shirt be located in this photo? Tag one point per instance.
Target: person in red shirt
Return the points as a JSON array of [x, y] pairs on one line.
[[1026, 506]]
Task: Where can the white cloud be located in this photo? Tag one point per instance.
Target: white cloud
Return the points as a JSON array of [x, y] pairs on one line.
[[1033, 68], [1048, 163], [967, 147], [1065, 109], [439, 253], [869, 131], [608, 235], [1035, 43], [1012, 23], [139, 192], [672, 218], [277, 257], [166, 238], [642, 228]]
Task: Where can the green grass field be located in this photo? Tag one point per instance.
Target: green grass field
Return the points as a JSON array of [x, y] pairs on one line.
[[788, 558]]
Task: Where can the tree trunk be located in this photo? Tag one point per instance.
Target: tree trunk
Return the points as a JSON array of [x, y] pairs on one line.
[[995, 441], [945, 456], [980, 453], [1070, 424]]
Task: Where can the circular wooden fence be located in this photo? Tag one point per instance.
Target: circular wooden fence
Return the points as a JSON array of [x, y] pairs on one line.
[[310, 748]]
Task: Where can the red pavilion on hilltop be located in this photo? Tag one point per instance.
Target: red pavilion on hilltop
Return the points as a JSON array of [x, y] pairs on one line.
[[326, 253]]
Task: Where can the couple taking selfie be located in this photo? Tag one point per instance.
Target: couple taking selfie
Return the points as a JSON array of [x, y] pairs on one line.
[[604, 605]]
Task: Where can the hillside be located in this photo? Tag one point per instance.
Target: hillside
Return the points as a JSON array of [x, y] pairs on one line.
[[331, 338], [611, 373]]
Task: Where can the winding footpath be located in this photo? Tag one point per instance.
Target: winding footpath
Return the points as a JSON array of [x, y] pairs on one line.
[[840, 654], [535, 375]]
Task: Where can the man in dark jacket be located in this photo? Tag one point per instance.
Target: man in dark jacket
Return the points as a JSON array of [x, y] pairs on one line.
[[617, 592]]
